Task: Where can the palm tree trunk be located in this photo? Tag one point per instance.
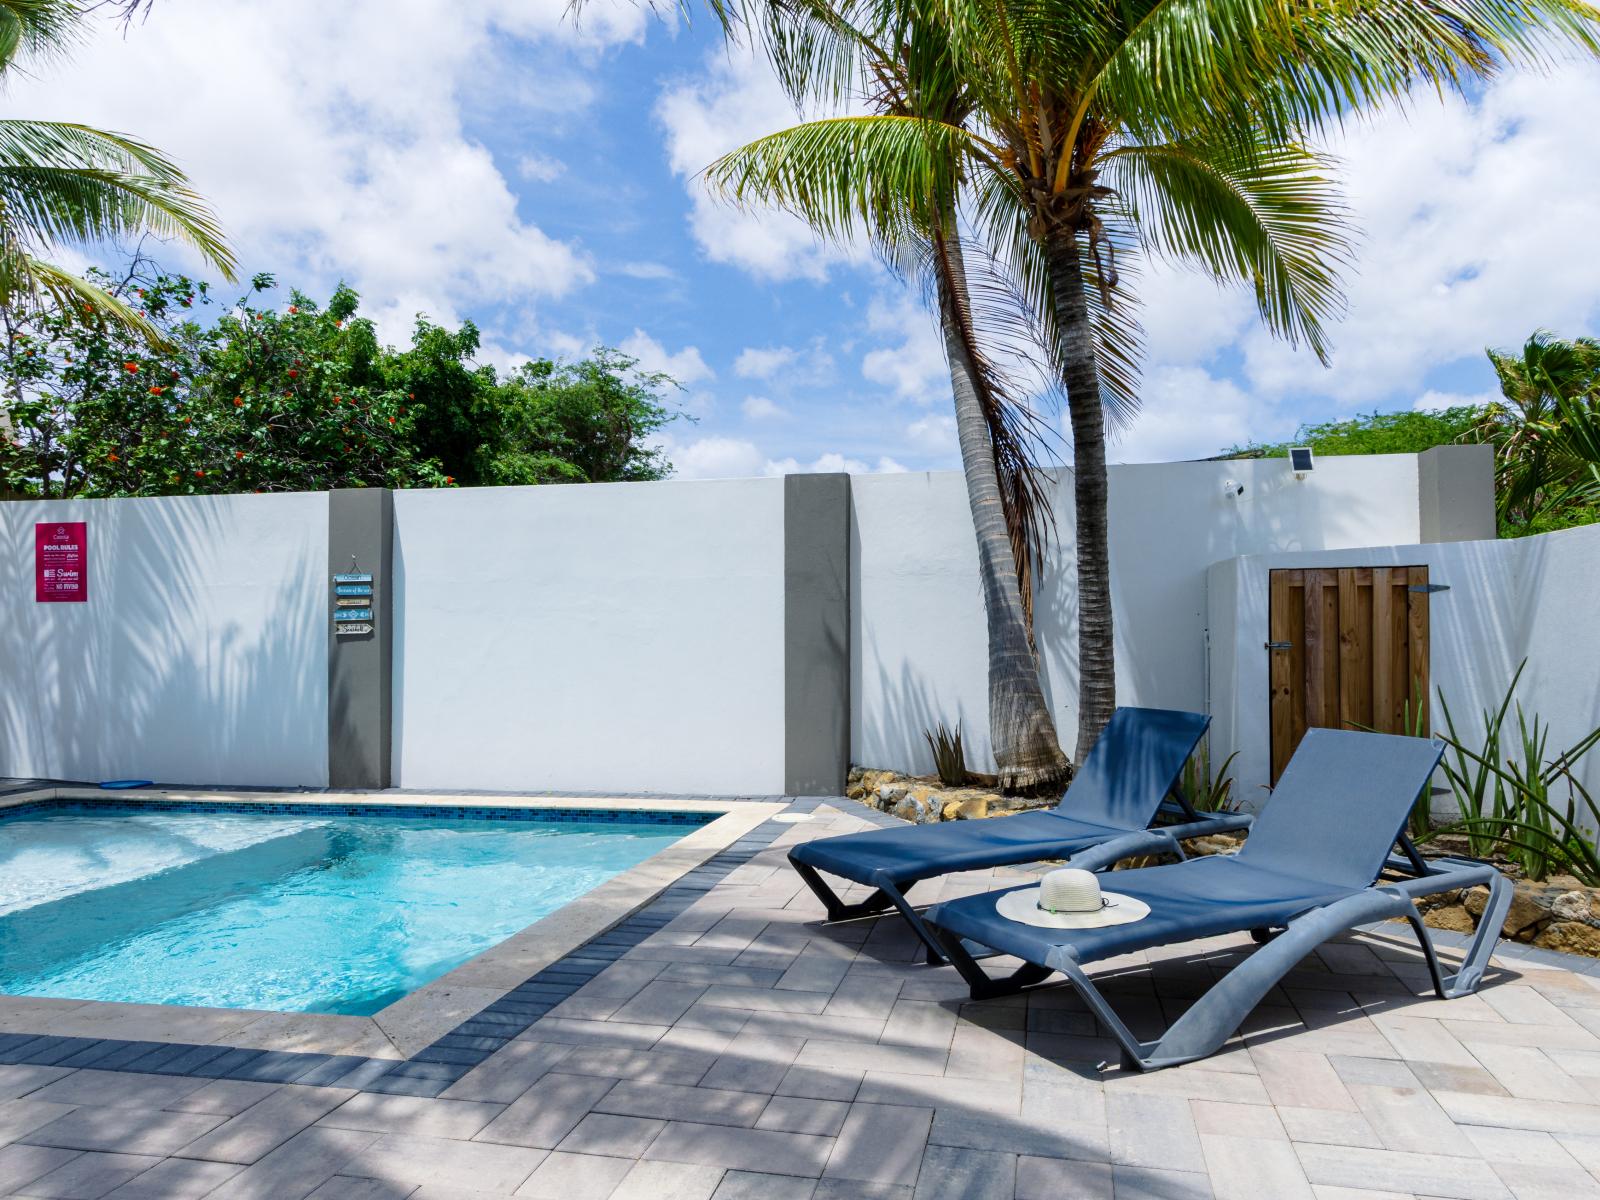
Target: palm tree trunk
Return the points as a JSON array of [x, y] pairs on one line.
[[1022, 733], [1097, 669]]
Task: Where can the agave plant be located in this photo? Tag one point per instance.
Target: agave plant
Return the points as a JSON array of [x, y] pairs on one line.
[[949, 758]]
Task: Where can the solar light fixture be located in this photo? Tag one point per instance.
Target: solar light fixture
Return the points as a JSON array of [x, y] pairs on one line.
[[1301, 461]]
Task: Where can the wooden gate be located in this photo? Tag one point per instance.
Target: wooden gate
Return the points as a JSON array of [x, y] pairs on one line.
[[1349, 649]]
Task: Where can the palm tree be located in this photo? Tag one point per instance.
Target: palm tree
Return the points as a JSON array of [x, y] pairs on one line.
[[1546, 431], [1175, 128], [68, 184], [908, 70]]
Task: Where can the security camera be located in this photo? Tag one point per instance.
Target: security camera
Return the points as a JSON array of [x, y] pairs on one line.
[[1232, 489]]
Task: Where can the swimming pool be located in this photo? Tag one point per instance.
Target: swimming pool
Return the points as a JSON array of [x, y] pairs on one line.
[[292, 909]]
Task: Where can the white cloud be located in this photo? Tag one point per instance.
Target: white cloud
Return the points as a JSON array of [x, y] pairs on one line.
[[541, 168], [734, 101], [756, 363], [715, 458], [1480, 228], [1433, 401], [685, 366], [933, 434], [646, 270], [759, 408], [1188, 413], [914, 365], [326, 164], [832, 463]]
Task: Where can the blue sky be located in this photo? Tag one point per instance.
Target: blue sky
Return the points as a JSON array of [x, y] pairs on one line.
[[487, 159]]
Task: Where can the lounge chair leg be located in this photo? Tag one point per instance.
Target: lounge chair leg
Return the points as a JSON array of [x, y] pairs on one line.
[[837, 909], [980, 984], [1466, 980]]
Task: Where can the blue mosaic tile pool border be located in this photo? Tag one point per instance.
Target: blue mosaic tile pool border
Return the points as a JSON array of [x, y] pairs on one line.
[[437, 1066], [448, 812]]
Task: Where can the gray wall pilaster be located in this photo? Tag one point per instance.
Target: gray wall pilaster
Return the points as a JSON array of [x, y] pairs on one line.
[[1455, 486], [816, 634], [360, 668]]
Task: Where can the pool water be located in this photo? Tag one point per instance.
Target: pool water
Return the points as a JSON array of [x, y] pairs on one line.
[[298, 912]]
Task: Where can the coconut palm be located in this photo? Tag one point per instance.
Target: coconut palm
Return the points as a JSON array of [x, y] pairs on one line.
[[1174, 128], [64, 184]]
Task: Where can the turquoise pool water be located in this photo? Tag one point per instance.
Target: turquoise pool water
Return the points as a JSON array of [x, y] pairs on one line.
[[299, 911]]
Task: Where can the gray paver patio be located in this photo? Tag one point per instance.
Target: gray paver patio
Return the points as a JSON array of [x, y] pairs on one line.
[[745, 1051]]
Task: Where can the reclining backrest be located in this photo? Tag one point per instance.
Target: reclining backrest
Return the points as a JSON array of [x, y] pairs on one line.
[[1135, 762], [1340, 804]]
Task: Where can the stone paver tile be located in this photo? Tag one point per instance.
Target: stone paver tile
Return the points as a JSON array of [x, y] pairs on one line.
[[920, 1023], [444, 1162], [979, 1053], [1237, 1120], [869, 996], [119, 1090], [881, 1143], [440, 1191], [1153, 1131], [660, 1003], [1548, 1181], [1328, 1126], [1469, 1108], [18, 1118], [593, 1033], [990, 1097], [1152, 1183], [575, 1177], [647, 1066], [814, 969], [506, 1074], [1570, 1036], [21, 1165], [225, 1097], [21, 1080], [1323, 1192], [1301, 1080], [1425, 1040], [1421, 1174], [1049, 1138], [1523, 1005], [1516, 1145], [795, 1114], [1529, 1072], [1237, 1086], [268, 1124], [1389, 1072], [821, 1083], [743, 1149], [547, 1111], [1243, 1168], [674, 1102], [90, 1176], [951, 1174], [668, 1181], [859, 1189], [1442, 1077], [412, 1114], [1062, 1179], [753, 1062], [902, 1060], [1409, 1118], [176, 1179], [765, 999], [125, 1130], [347, 1187], [607, 1133], [1585, 1149], [298, 1167], [753, 1185]]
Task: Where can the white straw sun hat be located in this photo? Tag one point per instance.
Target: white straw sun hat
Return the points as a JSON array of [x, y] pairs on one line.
[[1070, 899]]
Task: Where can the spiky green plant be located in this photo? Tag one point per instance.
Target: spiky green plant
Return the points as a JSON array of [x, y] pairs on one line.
[[1208, 790], [949, 757]]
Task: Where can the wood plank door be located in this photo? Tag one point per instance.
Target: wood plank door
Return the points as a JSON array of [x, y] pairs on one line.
[[1348, 650]]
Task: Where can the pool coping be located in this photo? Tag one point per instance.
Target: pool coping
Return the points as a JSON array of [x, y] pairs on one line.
[[433, 1011]]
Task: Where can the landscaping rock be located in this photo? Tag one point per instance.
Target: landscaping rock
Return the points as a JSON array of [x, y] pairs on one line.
[[1574, 937], [974, 809], [1454, 917]]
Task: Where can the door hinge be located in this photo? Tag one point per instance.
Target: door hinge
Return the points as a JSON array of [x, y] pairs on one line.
[[1280, 645], [1428, 589]]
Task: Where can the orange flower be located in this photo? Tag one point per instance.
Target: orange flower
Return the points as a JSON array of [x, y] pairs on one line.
[[293, 309], [156, 391], [199, 474], [449, 478], [391, 420], [238, 453], [131, 367], [112, 457], [238, 401], [293, 374]]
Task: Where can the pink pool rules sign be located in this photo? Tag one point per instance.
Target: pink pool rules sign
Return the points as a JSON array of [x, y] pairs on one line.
[[61, 562]]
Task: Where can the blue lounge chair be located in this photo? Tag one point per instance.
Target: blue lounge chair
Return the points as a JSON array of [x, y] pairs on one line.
[[1308, 872], [1126, 780]]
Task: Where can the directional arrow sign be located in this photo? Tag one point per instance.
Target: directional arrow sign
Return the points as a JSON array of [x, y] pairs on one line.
[[354, 602], [351, 630], [353, 614], [352, 578], [353, 589]]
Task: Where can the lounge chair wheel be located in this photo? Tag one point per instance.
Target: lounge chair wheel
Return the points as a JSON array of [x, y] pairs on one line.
[[1262, 936]]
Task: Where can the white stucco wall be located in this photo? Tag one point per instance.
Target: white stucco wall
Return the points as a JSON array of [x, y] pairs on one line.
[[918, 652], [200, 656], [1532, 598], [612, 637]]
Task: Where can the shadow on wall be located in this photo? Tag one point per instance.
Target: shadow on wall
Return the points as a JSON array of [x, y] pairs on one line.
[[198, 658]]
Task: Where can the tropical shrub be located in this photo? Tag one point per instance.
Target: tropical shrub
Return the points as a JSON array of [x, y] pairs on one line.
[[949, 758], [1205, 789]]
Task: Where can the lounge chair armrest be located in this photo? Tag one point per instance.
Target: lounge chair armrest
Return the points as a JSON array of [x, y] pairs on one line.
[[1129, 845], [1215, 823]]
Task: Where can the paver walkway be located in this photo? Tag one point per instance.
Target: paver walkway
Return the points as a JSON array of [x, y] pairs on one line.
[[744, 1051]]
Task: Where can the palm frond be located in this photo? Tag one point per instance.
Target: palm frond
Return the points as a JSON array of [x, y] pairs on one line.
[[37, 29], [23, 276], [62, 182], [1267, 216]]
